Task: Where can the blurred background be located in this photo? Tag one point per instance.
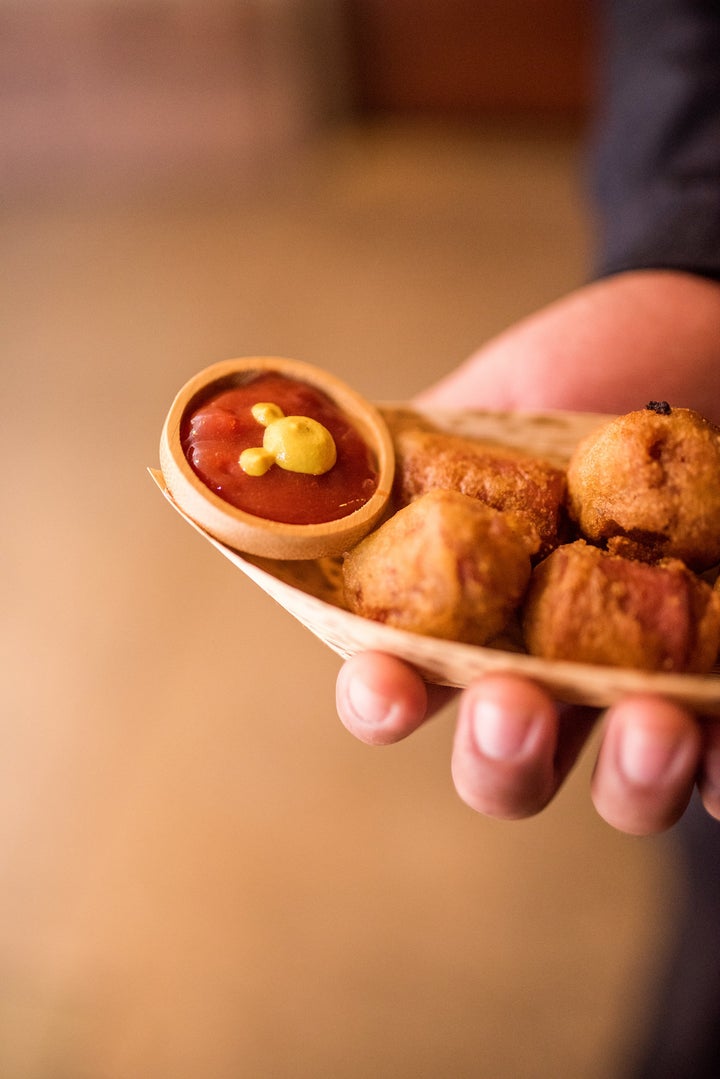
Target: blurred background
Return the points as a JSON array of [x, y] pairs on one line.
[[202, 872]]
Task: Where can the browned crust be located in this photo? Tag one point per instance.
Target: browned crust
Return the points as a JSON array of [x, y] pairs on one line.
[[648, 485], [588, 605], [446, 566], [503, 478]]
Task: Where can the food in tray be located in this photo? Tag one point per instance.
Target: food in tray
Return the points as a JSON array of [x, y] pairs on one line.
[[592, 606], [503, 478], [614, 581], [647, 484], [463, 538], [446, 565]]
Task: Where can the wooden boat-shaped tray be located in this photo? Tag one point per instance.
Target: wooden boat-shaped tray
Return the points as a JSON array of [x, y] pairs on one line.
[[311, 591]]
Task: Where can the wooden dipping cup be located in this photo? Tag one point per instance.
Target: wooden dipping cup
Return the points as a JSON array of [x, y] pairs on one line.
[[257, 535]]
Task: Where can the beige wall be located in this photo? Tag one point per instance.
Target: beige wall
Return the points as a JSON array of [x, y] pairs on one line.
[[103, 91]]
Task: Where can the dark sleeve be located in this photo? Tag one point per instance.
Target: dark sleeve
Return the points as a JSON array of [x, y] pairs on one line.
[[656, 152]]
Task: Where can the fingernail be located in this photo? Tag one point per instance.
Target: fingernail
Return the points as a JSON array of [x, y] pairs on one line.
[[500, 734], [369, 708], [646, 757]]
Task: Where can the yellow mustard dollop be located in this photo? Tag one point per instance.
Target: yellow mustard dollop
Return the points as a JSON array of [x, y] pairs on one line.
[[295, 443]]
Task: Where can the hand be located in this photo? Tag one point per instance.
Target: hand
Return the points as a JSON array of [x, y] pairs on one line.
[[609, 347], [514, 746]]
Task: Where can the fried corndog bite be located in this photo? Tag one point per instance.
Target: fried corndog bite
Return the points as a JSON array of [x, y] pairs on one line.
[[591, 606], [647, 484], [503, 478], [446, 566]]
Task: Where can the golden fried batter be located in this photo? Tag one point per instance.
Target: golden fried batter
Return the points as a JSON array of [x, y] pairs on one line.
[[587, 605], [446, 566], [503, 478], [648, 485]]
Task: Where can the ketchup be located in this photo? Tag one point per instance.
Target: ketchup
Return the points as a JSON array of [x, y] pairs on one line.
[[215, 434]]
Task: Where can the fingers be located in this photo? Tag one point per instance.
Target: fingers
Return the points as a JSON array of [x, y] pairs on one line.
[[647, 765], [512, 749], [380, 699]]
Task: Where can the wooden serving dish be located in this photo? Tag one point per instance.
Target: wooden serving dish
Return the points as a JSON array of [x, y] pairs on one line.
[[311, 591], [256, 535]]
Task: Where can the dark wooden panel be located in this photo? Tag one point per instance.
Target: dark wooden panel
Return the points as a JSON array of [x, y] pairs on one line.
[[471, 55]]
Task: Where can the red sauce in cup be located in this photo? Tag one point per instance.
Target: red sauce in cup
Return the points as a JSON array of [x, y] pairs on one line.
[[215, 433]]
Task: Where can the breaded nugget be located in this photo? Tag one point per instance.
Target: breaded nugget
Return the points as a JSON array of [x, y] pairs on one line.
[[446, 566], [503, 478], [648, 485], [591, 606]]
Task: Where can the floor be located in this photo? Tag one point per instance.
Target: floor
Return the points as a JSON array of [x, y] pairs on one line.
[[203, 873]]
